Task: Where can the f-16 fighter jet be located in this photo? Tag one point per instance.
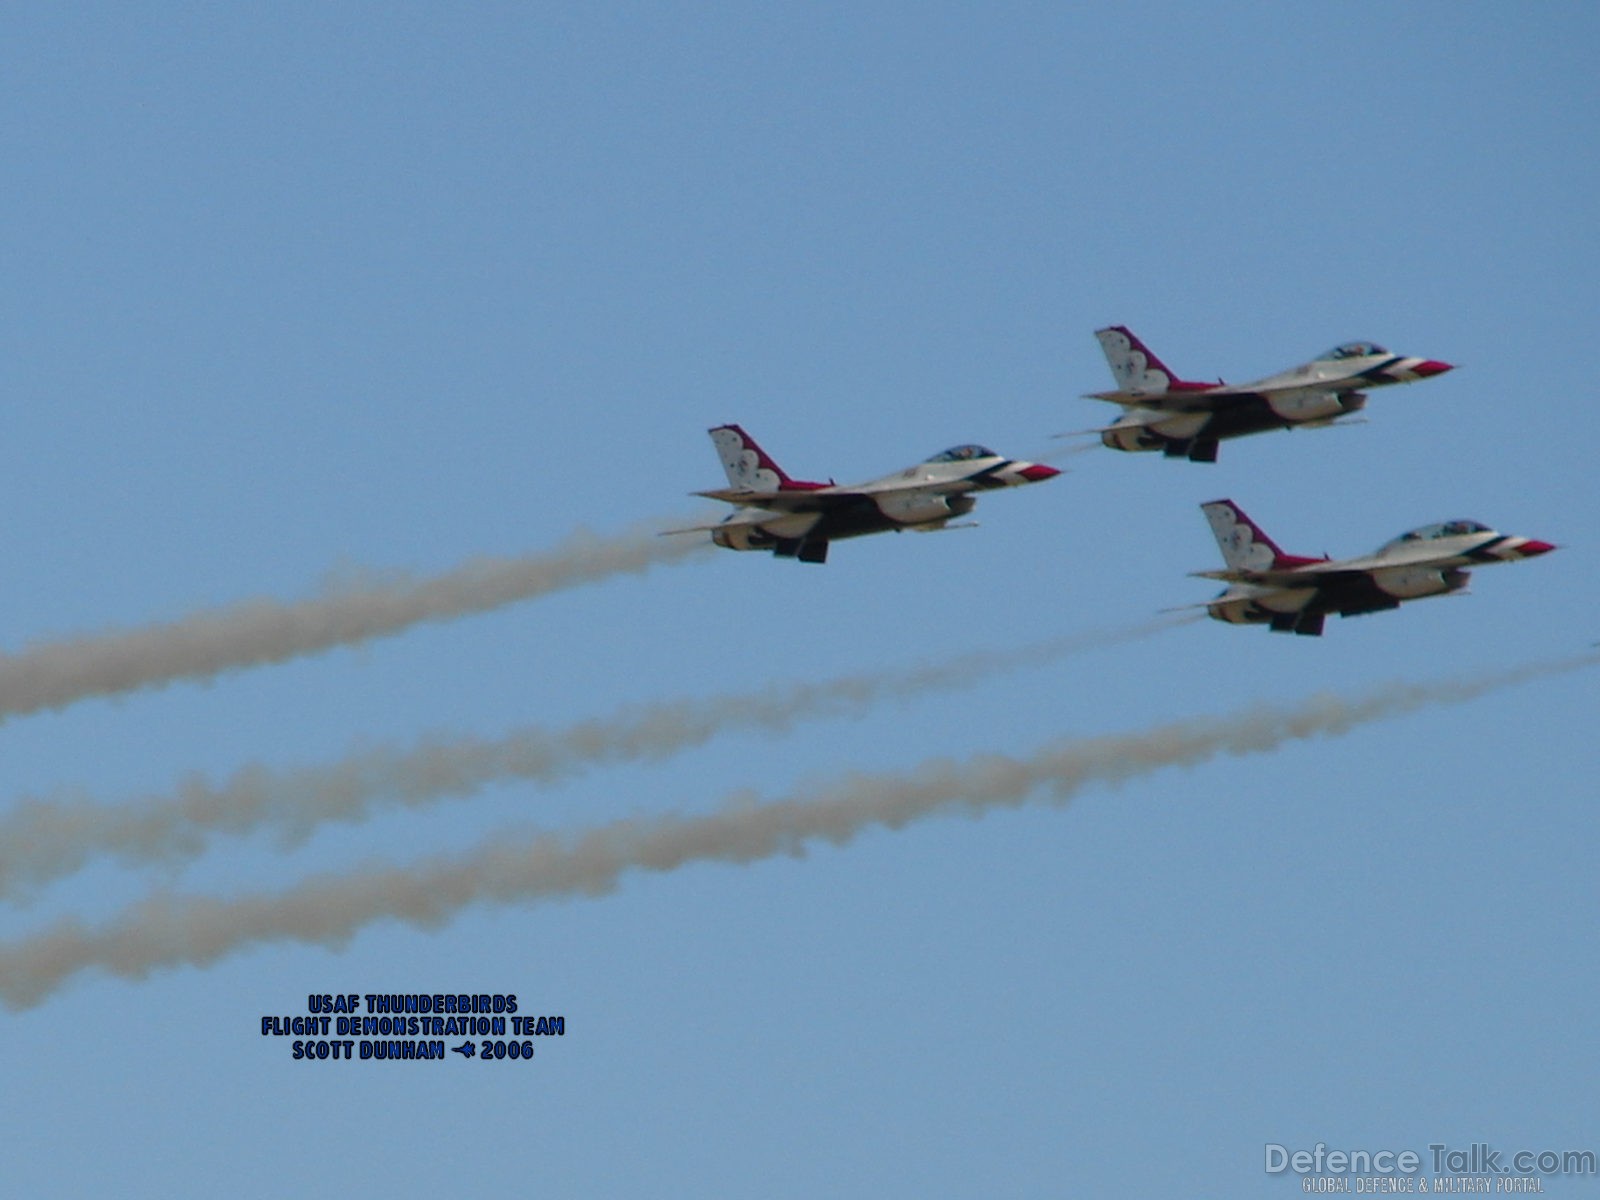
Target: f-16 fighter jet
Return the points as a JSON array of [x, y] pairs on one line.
[[1182, 418], [797, 519], [1293, 594]]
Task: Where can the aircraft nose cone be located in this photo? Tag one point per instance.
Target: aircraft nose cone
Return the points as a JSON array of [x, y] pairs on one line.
[[1430, 367], [1532, 548], [1038, 472]]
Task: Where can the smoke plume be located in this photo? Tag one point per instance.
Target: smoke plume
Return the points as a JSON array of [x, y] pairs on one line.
[[45, 837], [251, 633], [165, 930]]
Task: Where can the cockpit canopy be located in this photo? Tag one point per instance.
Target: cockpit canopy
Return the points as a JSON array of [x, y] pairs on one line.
[[1353, 350], [1429, 533], [964, 453]]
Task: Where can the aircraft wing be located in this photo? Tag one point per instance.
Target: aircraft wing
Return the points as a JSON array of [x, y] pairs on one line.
[[933, 487], [1201, 399], [829, 499], [1422, 557], [1311, 575], [1168, 403], [787, 501]]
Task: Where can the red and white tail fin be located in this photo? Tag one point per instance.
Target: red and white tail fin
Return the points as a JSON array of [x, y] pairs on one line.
[[1137, 371], [1245, 546], [747, 464]]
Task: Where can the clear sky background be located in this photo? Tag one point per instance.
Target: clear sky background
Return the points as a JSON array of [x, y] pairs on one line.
[[303, 291]]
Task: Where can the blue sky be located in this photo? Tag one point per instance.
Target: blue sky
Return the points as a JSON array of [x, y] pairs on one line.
[[300, 293]]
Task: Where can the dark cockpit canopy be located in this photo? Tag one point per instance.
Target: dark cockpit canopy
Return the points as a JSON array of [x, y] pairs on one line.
[[1353, 350], [964, 453], [1444, 529]]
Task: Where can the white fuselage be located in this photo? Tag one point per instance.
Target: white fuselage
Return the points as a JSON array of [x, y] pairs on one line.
[[1405, 569], [1160, 414], [795, 519]]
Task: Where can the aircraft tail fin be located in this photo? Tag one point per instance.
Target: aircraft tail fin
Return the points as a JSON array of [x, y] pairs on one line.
[[1245, 545], [748, 466], [1139, 372]]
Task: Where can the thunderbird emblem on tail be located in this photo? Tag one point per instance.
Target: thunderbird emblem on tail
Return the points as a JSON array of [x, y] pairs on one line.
[[1183, 418], [797, 519], [1294, 594]]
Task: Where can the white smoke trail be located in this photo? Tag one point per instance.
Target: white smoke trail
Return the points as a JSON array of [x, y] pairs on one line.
[[45, 837], [165, 929], [206, 643]]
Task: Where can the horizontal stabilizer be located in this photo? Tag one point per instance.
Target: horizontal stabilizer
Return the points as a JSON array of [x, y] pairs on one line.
[[1142, 421], [822, 498], [1339, 422], [739, 520], [1168, 403], [1304, 577], [1128, 399]]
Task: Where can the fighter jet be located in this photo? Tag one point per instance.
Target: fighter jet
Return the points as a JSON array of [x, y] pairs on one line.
[[1293, 594], [1182, 418], [797, 519]]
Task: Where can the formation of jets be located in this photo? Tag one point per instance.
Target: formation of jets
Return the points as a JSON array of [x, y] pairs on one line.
[[1182, 418]]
